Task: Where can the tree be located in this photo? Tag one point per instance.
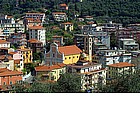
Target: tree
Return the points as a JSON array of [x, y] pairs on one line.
[[69, 83]]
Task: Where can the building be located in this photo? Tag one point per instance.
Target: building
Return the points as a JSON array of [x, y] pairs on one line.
[[119, 69], [59, 16], [108, 57], [18, 60], [17, 38], [9, 77], [40, 16], [58, 40], [35, 45], [63, 6], [31, 22], [37, 32], [91, 73], [8, 61], [135, 58], [67, 26], [4, 44], [27, 54], [128, 44], [50, 73], [6, 19], [65, 54]]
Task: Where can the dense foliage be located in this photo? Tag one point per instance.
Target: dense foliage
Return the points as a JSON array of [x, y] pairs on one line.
[[68, 83], [125, 11]]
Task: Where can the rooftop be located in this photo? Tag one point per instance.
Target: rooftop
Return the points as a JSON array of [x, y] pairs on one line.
[[34, 41], [3, 41], [121, 65], [69, 50], [36, 27], [49, 68], [6, 72]]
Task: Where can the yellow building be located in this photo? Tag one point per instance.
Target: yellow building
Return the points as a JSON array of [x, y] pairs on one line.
[[71, 54], [119, 69], [50, 73], [27, 54], [65, 54], [67, 26]]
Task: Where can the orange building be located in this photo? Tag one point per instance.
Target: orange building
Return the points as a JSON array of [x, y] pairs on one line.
[[9, 77]]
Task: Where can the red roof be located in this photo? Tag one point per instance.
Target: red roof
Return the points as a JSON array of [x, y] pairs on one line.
[[59, 13], [63, 5], [49, 68], [2, 57], [69, 50], [17, 61], [34, 41], [36, 27], [6, 72], [67, 23], [3, 41], [122, 64]]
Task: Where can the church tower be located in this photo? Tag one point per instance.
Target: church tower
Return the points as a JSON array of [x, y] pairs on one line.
[[88, 46]]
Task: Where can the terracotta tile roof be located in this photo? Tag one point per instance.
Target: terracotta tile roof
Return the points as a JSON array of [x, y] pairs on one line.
[[2, 57], [12, 53], [59, 13], [63, 5], [67, 23], [17, 61], [69, 50], [9, 16], [33, 20], [34, 41], [49, 68], [10, 73], [36, 27], [121, 65], [3, 69], [3, 41], [57, 36], [24, 49], [3, 48], [35, 13]]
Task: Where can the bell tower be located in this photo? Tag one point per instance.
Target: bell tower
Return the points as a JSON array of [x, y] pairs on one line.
[[88, 46]]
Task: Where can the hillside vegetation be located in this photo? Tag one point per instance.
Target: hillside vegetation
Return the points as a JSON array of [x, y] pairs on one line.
[[125, 11]]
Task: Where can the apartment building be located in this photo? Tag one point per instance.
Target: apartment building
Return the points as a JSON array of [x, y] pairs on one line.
[[128, 44], [4, 44], [59, 16], [91, 73], [38, 33], [108, 57], [119, 69], [40, 16], [67, 26], [50, 73]]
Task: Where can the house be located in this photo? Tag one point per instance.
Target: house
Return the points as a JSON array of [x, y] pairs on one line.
[[67, 26], [63, 6], [59, 16], [9, 77], [31, 22], [35, 45], [6, 19], [37, 32], [4, 44], [40, 16], [65, 54], [58, 40], [128, 44], [50, 73], [27, 54], [17, 38], [8, 61], [119, 69], [18, 60], [108, 57], [91, 73]]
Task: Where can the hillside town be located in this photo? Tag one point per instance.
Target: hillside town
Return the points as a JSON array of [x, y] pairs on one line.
[[46, 45]]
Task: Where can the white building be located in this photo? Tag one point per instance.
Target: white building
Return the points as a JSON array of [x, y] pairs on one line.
[[40, 16], [37, 32], [108, 57], [128, 44], [4, 44], [59, 16], [6, 19], [91, 73]]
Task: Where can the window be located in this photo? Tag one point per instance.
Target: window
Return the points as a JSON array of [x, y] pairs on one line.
[[53, 55], [4, 83], [77, 56], [10, 82], [10, 76], [73, 57], [69, 57]]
